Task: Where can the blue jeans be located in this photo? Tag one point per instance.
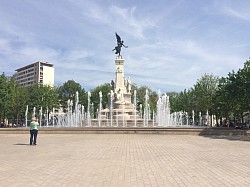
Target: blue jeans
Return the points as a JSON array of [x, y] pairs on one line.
[[33, 135]]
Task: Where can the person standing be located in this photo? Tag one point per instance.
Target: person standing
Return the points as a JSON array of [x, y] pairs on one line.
[[33, 131]]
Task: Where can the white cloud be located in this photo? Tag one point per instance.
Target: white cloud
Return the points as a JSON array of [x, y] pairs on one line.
[[232, 9], [117, 18], [240, 14], [77, 55], [128, 21]]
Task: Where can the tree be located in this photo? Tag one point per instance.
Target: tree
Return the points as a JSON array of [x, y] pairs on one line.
[[246, 85], [68, 91], [141, 92], [221, 100], [4, 96], [204, 91], [174, 104], [95, 99], [184, 101], [42, 96], [199, 98], [236, 90], [18, 100], [243, 77]]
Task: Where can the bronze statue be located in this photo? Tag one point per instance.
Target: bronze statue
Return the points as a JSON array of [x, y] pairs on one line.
[[112, 85], [119, 45]]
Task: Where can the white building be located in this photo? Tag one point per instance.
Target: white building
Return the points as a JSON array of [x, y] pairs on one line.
[[36, 73]]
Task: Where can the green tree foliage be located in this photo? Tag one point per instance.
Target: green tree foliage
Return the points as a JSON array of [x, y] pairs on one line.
[[173, 99], [233, 97], [5, 96], [95, 99], [42, 96], [140, 93], [199, 98], [68, 91], [204, 91], [18, 101], [243, 91], [183, 101], [246, 85], [221, 100]]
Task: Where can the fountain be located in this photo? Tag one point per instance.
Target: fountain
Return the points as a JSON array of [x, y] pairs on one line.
[[200, 119], [163, 110], [26, 115], [193, 117], [111, 107], [41, 116], [100, 108], [207, 119], [106, 117], [88, 111], [53, 119], [135, 111], [34, 112], [76, 109], [146, 110], [121, 111]]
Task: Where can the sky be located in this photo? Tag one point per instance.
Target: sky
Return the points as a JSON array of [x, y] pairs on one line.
[[171, 43]]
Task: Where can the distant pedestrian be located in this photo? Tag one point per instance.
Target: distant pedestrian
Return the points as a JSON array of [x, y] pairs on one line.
[[33, 131]]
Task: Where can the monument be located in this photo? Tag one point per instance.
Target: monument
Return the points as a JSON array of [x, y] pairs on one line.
[[123, 109]]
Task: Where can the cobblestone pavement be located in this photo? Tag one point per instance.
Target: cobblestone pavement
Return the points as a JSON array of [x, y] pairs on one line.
[[123, 160]]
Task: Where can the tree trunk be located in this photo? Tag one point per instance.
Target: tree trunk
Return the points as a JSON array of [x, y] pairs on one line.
[[242, 118]]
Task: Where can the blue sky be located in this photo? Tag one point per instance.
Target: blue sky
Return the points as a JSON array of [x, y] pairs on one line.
[[172, 43]]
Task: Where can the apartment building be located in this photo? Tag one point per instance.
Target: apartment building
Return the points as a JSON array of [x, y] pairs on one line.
[[36, 73]]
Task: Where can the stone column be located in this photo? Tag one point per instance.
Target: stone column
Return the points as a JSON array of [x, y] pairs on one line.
[[119, 79]]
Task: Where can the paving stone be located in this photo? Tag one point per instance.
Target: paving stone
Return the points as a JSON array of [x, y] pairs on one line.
[[123, 160]]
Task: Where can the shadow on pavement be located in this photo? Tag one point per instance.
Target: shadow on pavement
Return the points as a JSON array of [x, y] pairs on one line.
[[21, 144], [227, 133], [232, 138]]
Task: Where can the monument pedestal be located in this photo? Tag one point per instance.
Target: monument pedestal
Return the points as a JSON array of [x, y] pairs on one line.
[[123, 109]]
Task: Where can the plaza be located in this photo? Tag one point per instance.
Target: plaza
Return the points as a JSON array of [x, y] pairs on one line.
[[124, 160]]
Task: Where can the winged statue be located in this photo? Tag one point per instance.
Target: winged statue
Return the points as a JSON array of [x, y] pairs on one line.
[[117, 49]]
